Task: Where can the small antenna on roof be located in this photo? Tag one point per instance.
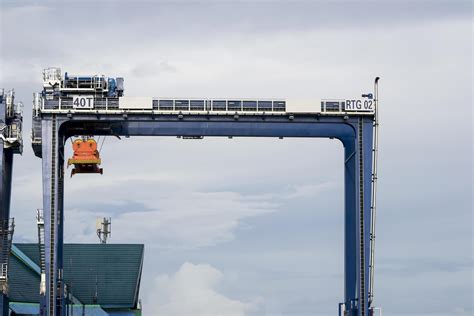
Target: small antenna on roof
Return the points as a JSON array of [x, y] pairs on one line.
[[104, 228]]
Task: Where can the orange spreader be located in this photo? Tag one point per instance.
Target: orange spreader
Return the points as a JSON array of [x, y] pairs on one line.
[[86, 158]]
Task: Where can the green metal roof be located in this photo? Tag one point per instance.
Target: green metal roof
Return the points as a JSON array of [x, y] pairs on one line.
[[23, 281], [104, 274], [34, 310]]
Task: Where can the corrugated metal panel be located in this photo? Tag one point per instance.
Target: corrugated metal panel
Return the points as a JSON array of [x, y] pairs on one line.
[[25, 259], [124, 313], [24, 308], [33, 309], [23, 282], [112, 271], [88, 311]]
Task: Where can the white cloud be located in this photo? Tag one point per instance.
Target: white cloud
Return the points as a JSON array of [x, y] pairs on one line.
[[192, 290], [193, 220], [310, 190], [175, 216], [183, 220]]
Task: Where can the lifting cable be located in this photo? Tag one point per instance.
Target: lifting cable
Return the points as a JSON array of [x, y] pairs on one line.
[[103, 141]]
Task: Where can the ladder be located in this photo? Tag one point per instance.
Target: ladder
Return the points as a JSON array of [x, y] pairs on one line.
[[52, 266], [373, 203], [362, 276], [40, 223], [41, 248], [7, 228]]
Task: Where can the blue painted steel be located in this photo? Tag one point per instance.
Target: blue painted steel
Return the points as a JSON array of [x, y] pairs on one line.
[[112, 86], [6, 166], [368, 129], [350, 223], [56, 129], [4, 305], [53, 175]]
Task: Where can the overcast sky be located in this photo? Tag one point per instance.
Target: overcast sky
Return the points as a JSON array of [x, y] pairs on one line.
[[254, 226]]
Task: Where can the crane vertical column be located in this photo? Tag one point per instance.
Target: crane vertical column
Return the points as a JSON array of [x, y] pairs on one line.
[[6, 164], [53, 175], [11, 142], [357, 218], [365, 143], [350, 232]]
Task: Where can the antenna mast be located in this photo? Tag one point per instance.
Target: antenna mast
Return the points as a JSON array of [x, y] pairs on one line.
[[104, 229]]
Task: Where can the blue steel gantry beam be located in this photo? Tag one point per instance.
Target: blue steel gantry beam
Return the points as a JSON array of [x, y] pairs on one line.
[[10, 143], [58, 116]]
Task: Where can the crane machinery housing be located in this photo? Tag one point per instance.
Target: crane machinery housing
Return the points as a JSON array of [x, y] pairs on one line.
[[88, 106]]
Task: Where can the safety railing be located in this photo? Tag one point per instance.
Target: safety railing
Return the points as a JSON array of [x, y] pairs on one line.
[[113, 104], [7, 228], [174, 105], [3, 271], [359, 106], [40, 216]]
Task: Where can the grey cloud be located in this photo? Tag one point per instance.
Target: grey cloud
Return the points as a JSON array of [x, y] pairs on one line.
[[149, 69], [421, 49], [218, 16], [414, 266]]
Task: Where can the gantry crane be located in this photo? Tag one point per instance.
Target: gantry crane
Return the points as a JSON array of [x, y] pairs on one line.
[[11, 143], [95, 105]]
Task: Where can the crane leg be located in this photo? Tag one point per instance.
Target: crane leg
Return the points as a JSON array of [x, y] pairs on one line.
[[6, 160], [52, 301], [357, 220]]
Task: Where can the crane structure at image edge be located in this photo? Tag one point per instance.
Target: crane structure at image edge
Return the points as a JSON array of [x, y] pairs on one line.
[[11, 143]]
